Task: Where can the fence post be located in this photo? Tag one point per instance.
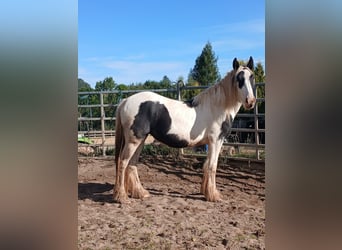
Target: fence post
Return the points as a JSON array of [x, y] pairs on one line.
[[256, 127], [178, 90], [102, 125], [179, 97]]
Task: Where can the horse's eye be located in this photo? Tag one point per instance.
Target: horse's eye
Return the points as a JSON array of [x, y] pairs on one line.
[[252, 76]]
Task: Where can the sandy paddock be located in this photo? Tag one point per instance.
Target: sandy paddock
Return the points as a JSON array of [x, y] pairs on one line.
[[176, 216]]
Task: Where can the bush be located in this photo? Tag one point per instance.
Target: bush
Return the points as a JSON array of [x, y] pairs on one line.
[[153, 149]]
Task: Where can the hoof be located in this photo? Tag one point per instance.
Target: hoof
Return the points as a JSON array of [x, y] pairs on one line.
[[214, 196], [214, 199], [121, 197], [141, 194]]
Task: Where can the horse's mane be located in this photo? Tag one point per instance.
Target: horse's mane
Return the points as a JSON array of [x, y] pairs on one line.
[[221, 93]]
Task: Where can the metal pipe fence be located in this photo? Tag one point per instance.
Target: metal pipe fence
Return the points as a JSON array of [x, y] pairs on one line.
[[97, 121]]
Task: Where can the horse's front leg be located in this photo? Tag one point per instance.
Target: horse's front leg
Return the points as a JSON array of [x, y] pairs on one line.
[[208, 187]]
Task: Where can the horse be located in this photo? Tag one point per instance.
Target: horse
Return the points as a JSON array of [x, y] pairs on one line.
[[206, 119]]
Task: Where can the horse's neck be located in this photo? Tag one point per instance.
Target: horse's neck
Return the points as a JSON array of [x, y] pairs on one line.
[[226, 102], [231, 105], [226, 113], [232, 111]]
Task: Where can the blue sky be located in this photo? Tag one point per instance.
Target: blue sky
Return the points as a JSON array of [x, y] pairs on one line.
[[135, 40]]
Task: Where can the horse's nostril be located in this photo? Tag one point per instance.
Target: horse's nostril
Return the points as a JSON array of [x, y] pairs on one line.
[[250, 101]]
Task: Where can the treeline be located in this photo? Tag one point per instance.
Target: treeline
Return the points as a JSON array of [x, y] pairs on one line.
[[108, 84], [205, 72]]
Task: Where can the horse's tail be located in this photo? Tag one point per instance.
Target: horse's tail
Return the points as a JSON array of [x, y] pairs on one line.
[[119, 138]]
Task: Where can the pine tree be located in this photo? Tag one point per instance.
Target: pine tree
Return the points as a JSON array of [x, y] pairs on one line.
[[205, 70], [165, 82], [259, 73]]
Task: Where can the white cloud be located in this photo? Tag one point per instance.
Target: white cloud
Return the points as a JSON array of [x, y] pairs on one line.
[[128, 71], [133, 71], [141, 66]]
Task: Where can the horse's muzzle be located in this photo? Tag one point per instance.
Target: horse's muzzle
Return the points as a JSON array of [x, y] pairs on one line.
[[250, 103]]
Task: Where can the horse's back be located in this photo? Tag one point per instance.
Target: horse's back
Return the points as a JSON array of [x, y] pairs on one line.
[[147, 96], [146, 100], [143, 107]]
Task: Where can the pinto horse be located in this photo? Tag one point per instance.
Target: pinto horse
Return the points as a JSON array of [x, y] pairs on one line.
[[206, 119]]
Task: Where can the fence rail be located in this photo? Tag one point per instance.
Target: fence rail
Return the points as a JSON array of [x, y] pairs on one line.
[[103, 134]]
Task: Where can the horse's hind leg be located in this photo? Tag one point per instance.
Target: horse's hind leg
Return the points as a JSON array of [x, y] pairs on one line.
[[132, 182], [128, 151], [135, 158]]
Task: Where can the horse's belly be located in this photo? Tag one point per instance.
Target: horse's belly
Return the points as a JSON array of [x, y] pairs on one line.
[[187, 127], [172, 140], [178, 134]]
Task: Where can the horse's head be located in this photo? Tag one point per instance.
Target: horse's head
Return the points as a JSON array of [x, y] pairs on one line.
[[244, 82]]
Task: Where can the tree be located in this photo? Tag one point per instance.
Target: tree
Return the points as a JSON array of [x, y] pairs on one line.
[[83, 86], [165, 83], [205, 70], [260, 78], [259, 73], [84, 99], [189, 94], [151, 85], [122, 87], [107, 84]]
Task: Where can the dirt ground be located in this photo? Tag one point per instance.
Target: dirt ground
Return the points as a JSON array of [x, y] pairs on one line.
[[176, 216]]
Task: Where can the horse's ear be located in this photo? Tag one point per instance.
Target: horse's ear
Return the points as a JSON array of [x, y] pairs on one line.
[[250, 63], [236, 64]]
